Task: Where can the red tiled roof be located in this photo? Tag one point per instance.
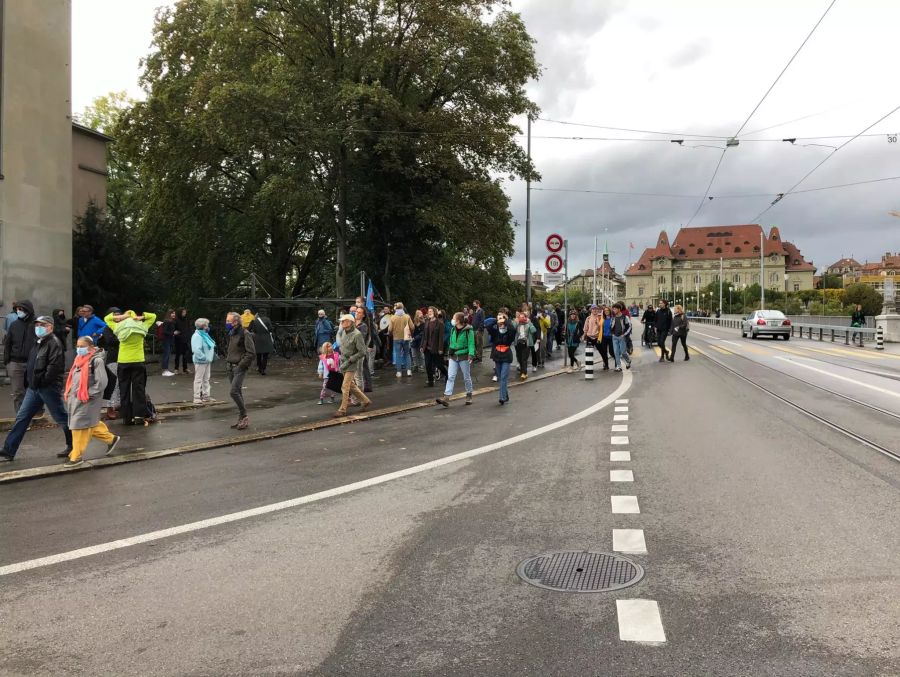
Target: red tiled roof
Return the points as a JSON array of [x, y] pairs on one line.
[[844, 263], [795, 261]]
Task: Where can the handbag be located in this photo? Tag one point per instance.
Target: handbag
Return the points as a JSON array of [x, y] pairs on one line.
[[335, 381]]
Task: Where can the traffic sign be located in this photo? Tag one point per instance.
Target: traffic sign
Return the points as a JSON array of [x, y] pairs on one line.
[[553, 279], [554, 243], [554, 263]]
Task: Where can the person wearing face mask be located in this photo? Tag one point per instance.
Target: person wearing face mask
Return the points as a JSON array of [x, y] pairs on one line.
[[239, 356], [502, 338], [131, 330], [433, 344], [84, 399], [323, 331], [203, 350], [11, 316], [45, 372], [461, 352], [17, 345]]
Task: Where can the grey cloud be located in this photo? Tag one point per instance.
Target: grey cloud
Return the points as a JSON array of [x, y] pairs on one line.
[[689, 54]]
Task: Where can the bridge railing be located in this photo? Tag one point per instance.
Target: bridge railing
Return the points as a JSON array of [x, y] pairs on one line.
[[821, 332]]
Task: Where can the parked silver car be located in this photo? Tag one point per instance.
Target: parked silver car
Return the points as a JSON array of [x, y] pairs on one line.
[[766, 323]]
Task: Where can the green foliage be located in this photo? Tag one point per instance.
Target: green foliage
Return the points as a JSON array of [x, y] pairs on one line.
[[868, 297], [107, 269], [831, 282]]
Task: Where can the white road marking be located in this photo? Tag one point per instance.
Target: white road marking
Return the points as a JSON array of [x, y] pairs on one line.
[[620, 428], [639, 621], [624, 505], [318, 496], [618, 439], [620, 417], [621, 409], [621, 476], [732, 343], [615, 456], [854, 381], [629, 541], [700, 333], [621, 401]]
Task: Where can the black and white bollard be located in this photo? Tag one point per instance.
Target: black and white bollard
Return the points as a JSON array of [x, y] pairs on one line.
[[879, 338], [589, 362]]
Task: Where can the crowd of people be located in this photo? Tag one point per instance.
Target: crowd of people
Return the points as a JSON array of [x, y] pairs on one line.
[[107, 378]]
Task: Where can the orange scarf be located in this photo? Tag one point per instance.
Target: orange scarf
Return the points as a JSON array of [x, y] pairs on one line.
[[83, 363]]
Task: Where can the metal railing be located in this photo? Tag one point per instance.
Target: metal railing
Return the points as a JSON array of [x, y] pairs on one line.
[[821, 332]]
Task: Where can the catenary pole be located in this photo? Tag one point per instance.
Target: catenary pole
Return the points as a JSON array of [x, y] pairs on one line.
[[762, 271], [528, 220], [721, 271]]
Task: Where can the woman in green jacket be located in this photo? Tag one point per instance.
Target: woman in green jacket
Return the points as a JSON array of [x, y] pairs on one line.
[[460, 353]]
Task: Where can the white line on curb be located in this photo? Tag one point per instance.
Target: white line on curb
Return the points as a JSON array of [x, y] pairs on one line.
[[630, 541], [639, 621], [624, 505], [312, 498], [621, 476], [619, 456]]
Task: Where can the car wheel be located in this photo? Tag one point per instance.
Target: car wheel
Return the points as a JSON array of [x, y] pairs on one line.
[[743, 334], [754, 335], [787, 337]]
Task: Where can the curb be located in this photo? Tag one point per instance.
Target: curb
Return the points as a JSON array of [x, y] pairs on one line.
[[103, 462], [46, 423]]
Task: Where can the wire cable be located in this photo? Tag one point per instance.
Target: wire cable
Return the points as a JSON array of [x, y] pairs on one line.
[[783, 70], [708, 188], [638, 131]]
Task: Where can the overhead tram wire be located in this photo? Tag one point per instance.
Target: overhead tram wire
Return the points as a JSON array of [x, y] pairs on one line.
[[636, 131], [703, 199], [793, 190], [788, 65]]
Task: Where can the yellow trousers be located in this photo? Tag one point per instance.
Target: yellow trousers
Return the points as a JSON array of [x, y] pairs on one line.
[[81, 438]]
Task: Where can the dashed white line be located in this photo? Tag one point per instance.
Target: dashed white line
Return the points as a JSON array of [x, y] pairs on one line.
[[620, 417], [620, 428], [621, 476], [621, 401], [621, 409], [618, 439], [629, 541], [640, 621], [615, 456], [625, 505]]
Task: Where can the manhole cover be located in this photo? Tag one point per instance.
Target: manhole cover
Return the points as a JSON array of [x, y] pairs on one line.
[[580, 571]]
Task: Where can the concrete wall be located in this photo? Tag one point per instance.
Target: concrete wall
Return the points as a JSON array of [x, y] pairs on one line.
[[88, 171], [36, 191]]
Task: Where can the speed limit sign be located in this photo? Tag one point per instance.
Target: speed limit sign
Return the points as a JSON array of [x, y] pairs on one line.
[[554, 243], [554, 263]]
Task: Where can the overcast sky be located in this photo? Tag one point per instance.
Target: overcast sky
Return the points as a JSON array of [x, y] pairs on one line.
[[688, 67]]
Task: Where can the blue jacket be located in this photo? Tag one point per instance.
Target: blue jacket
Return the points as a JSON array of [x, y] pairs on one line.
[[323, 331], [93, 327], [203, 353]]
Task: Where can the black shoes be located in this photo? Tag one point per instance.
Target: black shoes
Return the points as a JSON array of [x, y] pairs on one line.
[[443, 401]]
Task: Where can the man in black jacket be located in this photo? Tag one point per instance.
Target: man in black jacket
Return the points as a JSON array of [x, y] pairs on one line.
[[45, 377], [17, 345], [663, 327], [648, 319]]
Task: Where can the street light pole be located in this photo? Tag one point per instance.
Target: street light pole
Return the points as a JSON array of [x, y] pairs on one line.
[[762, 271], [566, 280], [721, 271], [594, 294], [528, 220]]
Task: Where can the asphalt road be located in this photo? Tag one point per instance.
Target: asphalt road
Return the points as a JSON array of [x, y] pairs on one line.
[[771, 544]]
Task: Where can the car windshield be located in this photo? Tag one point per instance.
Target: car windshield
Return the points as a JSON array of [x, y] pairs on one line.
[[771, 314]]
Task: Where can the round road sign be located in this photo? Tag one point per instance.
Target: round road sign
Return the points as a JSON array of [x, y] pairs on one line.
[[554, 263], [554, 243]]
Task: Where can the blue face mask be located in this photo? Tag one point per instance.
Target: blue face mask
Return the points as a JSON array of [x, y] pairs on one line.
[[229, 326], [21, 314], [40, 331], [82, 351]]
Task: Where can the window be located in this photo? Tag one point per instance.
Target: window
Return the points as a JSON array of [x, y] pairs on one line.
[[736, 278], [773, 277], [756, 248], [796, 286], [696, 279], [681, 251], [661, 281], [796, 262], [640, 291], [700, 250], [756, 278], [678, 279], [718, 250], [737, 250]]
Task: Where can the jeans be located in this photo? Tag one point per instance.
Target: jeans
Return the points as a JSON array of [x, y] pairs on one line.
[[236, 376], [620, 351], [502, 371], [401, 355], [133, 391], [456, 366], [34, 401], [167, 344]]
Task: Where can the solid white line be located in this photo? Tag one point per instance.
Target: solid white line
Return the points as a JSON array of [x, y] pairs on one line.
[[620, 417], [700, 333], [620, 428], [629, 541], [621, 409], [621, 476], [624, 505], [618, 439], [639, 621], [842, 378], [621, 401], [312, 498], [615, 456]]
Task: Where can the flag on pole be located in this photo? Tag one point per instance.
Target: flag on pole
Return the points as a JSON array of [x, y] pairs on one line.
[[631, 245], [370, 298]]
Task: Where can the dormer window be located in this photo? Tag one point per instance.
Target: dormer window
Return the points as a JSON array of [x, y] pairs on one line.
[[737, 250], [718, 250], [796, 262], [700, 250], [681, 251], [755, 248]]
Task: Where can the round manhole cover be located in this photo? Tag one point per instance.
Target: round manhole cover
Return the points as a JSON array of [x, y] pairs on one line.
[[580, 571]]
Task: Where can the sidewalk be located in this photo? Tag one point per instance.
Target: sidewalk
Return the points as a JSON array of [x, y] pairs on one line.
[[287, 397]]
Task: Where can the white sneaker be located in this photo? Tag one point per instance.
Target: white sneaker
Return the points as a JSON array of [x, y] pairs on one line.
[[409, 372], [494, 379], [168, 373], [399, 374]]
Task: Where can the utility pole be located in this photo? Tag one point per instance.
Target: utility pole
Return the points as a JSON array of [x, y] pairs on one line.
[[594, 295], [566, 281], [721, 271], [528, 220], [762, 270]]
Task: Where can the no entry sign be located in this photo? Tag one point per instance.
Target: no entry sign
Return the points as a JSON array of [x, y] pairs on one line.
[[554, 243], [554, 263]]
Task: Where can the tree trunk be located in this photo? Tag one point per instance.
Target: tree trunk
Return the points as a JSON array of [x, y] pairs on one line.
[[340, 268]]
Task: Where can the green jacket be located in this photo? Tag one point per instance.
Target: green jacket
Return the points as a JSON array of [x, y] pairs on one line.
[[462, 343], [131, 348]]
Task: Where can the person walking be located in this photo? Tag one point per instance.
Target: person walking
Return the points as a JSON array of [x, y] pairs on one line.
[[415, 345], [109, 344], [857, 320], [605, 343], [353, 350], [329, 363], [239, 357], [384, 334], [593, 329], [45, 372], [167, 336], [20, 338], [263, 341], [663, 327], [182, 340], [478, 326], [323, 331], [83, 396], [573, 336], [131, 329], [433, 345], [621, 328], [203, 352], [502, 338], [525, 334], [680, 328], [364, 375], [648, 319], [461, 353], [401, 334]]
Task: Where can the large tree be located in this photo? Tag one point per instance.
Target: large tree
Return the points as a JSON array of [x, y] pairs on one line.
[[305, 139]]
